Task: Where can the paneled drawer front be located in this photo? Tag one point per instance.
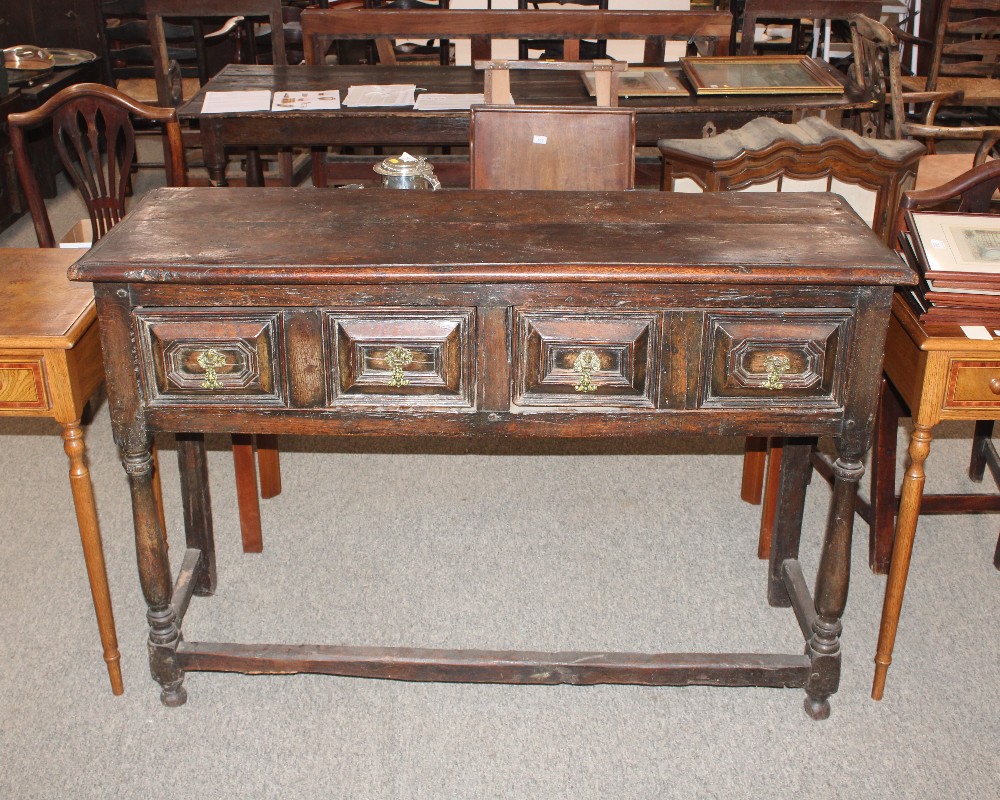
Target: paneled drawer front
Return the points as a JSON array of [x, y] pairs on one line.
[[391, 357], [211, 356], [973, 383], [22, 385], [586, 358], [771, 357]]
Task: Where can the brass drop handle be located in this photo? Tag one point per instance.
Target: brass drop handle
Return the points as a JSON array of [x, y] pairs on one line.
[[210, 361], [396, 359], [995, 385], [587, 363], [776, 366]]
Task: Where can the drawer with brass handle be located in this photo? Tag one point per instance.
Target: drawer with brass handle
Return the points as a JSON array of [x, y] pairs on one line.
[[768, 357], [211, 356]]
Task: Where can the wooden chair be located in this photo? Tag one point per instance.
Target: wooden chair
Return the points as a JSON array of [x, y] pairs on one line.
[[824, 158], [970, 193], [876, 67], [94, 136], [538, 147], [128, 54], [966, 54]]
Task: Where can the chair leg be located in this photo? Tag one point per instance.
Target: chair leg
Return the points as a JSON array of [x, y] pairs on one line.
[[269, 466], [754, 463], [980, 449], [770, 499], [93, 552], [246, 493], [883, 500]]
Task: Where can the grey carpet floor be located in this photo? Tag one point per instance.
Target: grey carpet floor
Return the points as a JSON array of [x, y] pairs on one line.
[[438, 544]]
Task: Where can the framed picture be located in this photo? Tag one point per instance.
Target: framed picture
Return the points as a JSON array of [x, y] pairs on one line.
[[957, 242], [641, 82], [759, 75]]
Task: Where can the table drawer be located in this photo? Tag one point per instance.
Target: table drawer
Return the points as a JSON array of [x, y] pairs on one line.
[[774, 357], [586, 358], [404, 358], [211, 356], [973, 383], [22, 385]]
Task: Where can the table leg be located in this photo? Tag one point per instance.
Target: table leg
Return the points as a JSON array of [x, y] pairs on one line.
[[906, 527], [789, 506], [213, 151], [93, 552], [154, 571], [832, 580]]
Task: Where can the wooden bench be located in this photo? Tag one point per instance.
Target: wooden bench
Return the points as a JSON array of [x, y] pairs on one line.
[[709, 30]]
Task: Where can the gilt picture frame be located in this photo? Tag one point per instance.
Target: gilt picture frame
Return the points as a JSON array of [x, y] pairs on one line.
[[759, 75]]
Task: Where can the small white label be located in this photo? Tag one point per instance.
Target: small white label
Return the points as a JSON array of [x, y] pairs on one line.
[[976, 332], [538, 139], [407, 157]]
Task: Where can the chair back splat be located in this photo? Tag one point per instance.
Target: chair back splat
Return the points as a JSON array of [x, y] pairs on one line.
[[95, 140]]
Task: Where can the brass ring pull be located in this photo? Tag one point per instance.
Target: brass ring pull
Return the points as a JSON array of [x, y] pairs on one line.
[[210, 361], [396, 359], [587, 363], [776, 366]]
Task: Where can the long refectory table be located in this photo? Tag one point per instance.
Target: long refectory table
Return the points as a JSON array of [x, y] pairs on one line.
[[494, 314], [688, 116]]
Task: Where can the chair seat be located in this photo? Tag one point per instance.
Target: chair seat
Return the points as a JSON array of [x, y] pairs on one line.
[[144, 89]]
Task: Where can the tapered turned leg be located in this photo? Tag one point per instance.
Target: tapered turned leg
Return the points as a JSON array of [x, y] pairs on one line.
[[906, 527], [832, 580], [154, 575], [93, 552], [882, 517]]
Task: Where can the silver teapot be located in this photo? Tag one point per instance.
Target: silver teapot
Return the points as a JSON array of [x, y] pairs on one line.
[[407, 172]]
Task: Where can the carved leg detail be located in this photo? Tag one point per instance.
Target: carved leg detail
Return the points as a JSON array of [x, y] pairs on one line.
[[154, 577], [832, 580], [906, 527], [93, 552]]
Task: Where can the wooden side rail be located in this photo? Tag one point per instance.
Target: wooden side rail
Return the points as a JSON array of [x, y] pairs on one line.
[[496, 80], [320, 26]]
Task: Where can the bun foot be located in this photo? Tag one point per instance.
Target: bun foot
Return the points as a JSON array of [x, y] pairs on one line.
[[173, 696], [817, 709]]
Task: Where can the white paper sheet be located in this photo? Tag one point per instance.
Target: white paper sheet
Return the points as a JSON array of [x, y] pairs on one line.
[[306, 101], [444, 102], [228, 102], [976, 332], [389, 94]]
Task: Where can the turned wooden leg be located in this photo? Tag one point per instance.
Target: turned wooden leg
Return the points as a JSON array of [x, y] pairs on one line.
[[154, 575], [906, 527], [268, 465], [770, 499], [246, 493], [832, 581], [93, 552]]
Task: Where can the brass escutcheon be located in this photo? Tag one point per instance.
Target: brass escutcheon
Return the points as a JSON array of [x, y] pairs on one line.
[[587, 363], [776, 366], [210, 361], [396, 359]]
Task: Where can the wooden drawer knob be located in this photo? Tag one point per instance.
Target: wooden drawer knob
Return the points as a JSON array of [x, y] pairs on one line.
[[995, 385]]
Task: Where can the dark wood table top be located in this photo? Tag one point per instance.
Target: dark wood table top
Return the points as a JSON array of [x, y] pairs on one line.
[[499, 236], [537, 87]]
